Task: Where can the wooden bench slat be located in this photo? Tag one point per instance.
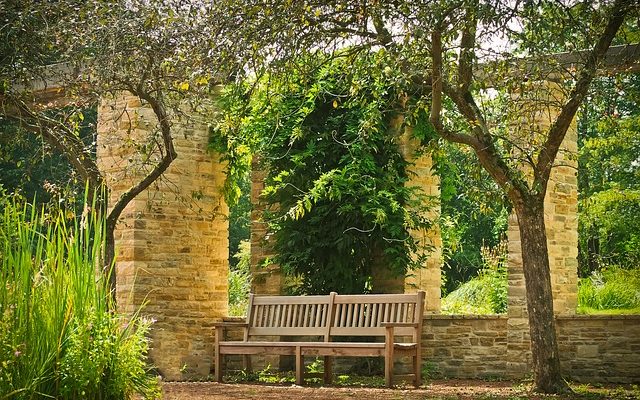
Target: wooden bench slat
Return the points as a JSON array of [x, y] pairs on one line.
[[275, 312], [286, 331], [305, 344], [290, 300], [372, 298]]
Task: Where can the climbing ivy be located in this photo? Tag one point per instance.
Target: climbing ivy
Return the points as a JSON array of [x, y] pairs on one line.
[[337, 193]]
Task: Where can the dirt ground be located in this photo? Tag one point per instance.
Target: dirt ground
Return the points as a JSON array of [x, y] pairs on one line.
[[447, 389]]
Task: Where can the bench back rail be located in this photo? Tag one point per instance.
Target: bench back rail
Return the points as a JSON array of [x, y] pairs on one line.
[[333, 315], [364, 315], [288, 315]]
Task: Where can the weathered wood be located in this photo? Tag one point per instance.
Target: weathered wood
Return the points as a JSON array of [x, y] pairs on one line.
[[299, 366], [328, 317]]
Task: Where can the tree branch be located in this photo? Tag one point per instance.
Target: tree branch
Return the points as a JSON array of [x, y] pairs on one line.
[[436, 82], [559, 128], [467, 43], [60, 137], [160, 167], [484, 147]]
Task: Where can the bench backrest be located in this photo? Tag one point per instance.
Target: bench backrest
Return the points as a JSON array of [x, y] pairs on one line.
[[333, 314], [363, 315], [288, 315]]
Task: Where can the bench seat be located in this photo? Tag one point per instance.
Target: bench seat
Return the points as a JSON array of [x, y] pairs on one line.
[[364, 349]]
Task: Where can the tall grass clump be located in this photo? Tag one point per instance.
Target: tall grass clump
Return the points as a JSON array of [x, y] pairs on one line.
[[612, 288], [486, 293], [59, 335]]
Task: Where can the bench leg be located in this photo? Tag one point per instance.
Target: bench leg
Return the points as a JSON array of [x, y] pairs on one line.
[[328, 370], [218, 366], [417, 370], [299, 366], [388, 358], [246, 363]]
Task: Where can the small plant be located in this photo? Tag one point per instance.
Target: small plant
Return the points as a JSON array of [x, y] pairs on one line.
[[240, 280], [315, 367], [430, 370]]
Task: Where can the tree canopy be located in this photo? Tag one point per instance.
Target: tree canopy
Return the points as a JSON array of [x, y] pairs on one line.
[[168, 53]]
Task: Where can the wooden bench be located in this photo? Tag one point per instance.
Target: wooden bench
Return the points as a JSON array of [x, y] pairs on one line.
[[328, 320]]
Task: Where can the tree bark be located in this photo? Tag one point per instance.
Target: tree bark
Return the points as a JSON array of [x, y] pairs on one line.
[[535, 260]]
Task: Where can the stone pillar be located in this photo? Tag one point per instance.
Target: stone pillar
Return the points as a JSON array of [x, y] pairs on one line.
[[421, 175], [561, 222], [561, 219], [265, 279], [172, 239]]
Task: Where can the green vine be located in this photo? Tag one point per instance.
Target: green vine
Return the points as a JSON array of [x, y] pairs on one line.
[[337, 193]]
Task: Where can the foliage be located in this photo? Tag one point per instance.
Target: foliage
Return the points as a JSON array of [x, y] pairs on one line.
[[30, 167], [240, 280], [336, 181], [474, 214], [486, 293], [59, 338], [611, 216], [612, 288], [609, 178], [240, 220]]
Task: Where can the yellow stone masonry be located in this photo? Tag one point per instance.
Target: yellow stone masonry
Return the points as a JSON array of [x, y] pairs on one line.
[[422, 176], [172, 240]]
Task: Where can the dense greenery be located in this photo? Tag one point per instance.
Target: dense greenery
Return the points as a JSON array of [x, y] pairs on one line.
[[336, 185], [473, 215], [58, 337], [240, 280], [609, 175]]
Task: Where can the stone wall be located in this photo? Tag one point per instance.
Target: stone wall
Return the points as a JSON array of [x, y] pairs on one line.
[[465, 346], [595, 349], [600, 348], [172, 240]]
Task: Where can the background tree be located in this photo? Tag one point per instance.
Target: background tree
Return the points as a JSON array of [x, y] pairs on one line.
[[609, 179], [166, 53], [438, 47]]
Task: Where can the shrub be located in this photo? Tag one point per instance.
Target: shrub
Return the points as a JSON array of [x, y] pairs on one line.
[[486, 293], [612, 288], [59, 337]]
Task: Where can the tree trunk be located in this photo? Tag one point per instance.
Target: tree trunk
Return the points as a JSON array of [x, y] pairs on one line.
[[535, 259]]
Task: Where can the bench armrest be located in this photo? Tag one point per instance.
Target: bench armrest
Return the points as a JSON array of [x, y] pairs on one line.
[[219, 328], [399, 324], [230, 324]]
